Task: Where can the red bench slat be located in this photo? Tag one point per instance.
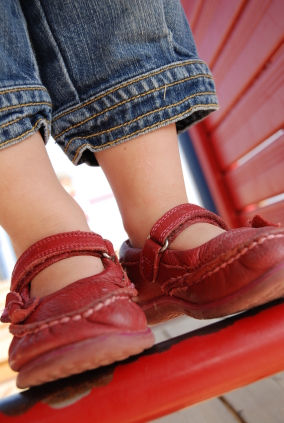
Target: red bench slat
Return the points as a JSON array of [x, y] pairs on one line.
[[256, 37], [259, 114], [215, 22], [259, 178]]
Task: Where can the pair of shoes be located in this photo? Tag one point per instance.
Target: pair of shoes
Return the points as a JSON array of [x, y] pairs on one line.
[[87, 324], [237, 270]]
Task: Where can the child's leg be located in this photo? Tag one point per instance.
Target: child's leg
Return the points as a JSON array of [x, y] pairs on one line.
[[146, 177], [34, 205], [147, 180]]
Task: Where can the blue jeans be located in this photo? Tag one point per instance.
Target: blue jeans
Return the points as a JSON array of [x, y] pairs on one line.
[[96, 73]]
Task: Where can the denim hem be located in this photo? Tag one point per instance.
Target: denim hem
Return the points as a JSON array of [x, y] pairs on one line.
[[181, 92], [23, 111]]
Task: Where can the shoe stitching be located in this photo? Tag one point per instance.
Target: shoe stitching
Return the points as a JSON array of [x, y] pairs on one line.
[[62, 235], [148, 262], [190, 216], [66, 249], [76, 317], [55, 250], [223, 265], [26, 133], [169, 213], [175, 223], [204, 106], [132, 99], [126, 84], [62, 248]]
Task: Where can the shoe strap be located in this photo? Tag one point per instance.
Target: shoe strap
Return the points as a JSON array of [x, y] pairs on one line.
[[53, 249], [167, 228]]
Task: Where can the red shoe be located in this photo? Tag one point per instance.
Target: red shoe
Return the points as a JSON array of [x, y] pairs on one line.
[[237, 270], [90, 323]]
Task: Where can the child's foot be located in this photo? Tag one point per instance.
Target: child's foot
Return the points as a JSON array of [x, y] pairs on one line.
[[86, 324], [195, 235], [63, 273], [222, 272]]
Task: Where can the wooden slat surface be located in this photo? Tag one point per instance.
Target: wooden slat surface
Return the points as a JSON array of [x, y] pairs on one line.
[[259, 114], [213, 411], [259, 178], [254, 40], [261, 402], [217, 17]]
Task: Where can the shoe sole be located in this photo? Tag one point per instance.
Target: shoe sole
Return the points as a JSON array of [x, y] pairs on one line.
[[268, 287], [84, 355]]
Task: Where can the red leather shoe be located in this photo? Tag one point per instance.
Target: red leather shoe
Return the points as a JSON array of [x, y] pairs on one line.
[[237, 270], [87, 324]]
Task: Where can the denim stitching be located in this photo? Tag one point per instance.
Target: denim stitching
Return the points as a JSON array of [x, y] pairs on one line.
[[140, 117], [129, 83], [131, 99], [25, 105], [13, 121], [134, 120], [142, 130], [12, 90], [25, 133]]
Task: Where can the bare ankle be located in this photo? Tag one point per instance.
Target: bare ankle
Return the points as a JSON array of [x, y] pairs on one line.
[[191, 237], [138, 222], [63, 273]]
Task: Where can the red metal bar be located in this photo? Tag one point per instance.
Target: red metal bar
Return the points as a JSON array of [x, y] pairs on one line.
[[172, 375]]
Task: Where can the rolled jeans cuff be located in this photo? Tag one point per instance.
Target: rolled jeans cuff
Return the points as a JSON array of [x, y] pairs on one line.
[[182, 92], [23, 111]]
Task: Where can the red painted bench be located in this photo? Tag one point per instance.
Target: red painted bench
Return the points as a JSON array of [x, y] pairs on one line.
[[241, 147]]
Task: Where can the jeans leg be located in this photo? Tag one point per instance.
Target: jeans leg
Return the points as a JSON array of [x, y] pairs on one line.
[[25, 105], [116, 70]]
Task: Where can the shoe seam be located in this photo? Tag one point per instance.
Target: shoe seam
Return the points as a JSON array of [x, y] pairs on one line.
[[254, 243], [169, 213], [76, 317], [58, 236], [224, 264]]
